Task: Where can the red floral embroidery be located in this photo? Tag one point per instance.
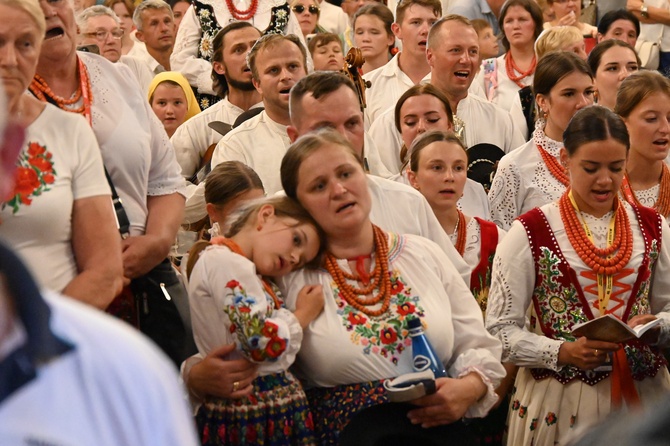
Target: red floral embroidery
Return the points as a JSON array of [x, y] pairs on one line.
[[232, 284], [406, 308], [550, 418], [35, 171], [270, 330], [397, 287], [356, 319], [275, 347], [388, 336]]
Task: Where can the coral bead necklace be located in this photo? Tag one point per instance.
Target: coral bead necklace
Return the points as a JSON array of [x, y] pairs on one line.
[[41, 90], [662, 205], [245, 14], [607, 261], [556, 170], [511, 68], [380, 280]]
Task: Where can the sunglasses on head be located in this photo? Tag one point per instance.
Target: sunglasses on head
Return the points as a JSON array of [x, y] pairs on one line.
[[299, 9]]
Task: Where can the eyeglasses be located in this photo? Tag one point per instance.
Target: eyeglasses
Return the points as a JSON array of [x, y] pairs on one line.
[[101, 34], [299, 9]]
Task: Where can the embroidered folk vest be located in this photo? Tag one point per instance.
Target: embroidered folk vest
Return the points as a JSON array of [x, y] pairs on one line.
[[559, 301]]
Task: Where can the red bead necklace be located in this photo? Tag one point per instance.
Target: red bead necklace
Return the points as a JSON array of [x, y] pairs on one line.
[[41, 90], [662, 205], [601, 261], [380, 280], [233, 246], [242, 14], [461, 230], [511, 68], [557, 171]]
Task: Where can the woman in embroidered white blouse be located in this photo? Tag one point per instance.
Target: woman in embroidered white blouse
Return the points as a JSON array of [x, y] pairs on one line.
[[586, 255], [644, 104], [531, 175], [372, 281]]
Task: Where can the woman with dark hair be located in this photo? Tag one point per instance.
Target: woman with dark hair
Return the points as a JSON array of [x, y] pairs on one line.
[[420, 109], [373, 35], [619, 24], [532, 175], [373, 282], [583, 256], [644, 104], [503, 77], [611, 61]]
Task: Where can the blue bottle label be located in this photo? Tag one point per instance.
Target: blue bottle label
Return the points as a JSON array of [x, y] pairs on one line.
[[421, 363]]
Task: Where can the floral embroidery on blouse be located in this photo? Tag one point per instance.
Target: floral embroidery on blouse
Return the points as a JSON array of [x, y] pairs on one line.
[[384, 335], [34, 173], [257, 337]]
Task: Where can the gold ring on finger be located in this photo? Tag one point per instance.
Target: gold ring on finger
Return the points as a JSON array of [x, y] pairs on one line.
[[595, 352], [236, 385]]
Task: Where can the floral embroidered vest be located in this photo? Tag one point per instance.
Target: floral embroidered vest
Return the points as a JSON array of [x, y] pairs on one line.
[[480, 279], [559, 301]]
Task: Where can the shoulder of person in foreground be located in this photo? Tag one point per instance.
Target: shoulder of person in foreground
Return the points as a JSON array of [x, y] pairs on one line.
[[128, 379]]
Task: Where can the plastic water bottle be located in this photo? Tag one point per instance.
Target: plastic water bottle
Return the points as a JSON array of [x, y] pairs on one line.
[[423, 354]]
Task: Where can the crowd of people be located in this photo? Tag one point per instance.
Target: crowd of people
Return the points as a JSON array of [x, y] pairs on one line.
[[273, 218]]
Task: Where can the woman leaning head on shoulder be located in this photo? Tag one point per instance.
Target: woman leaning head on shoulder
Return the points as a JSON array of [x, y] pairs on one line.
[[372, 275]]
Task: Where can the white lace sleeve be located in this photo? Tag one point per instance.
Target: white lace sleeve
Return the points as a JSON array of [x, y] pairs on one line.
[[510, 296], [504, 197]]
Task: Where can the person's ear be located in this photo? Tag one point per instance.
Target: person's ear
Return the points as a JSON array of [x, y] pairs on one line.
[[292, 133], [396, 30], [140, 36], [10, 147], [257, 85], [219, 68], [265, 214], [411, 176]]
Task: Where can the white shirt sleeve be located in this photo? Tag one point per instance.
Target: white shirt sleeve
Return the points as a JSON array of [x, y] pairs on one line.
[[184, 57]]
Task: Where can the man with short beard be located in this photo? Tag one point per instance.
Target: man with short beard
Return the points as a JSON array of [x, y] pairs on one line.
[[232, 81]]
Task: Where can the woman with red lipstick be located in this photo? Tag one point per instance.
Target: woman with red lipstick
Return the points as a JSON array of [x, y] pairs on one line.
[[532, 175], [373, 35], [373, 281], [586, 255], [643, 102]]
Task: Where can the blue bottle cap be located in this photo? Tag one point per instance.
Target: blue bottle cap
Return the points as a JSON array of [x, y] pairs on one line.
[[413, 322]]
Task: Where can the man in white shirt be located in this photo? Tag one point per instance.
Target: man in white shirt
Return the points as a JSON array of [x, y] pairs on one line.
[[277, 62], [326, 99], [332, 18], [232, 82], [156, 28], [409, 67], [453, 55]]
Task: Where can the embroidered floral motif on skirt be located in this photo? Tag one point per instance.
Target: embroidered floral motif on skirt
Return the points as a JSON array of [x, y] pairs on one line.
[[276, 413]]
